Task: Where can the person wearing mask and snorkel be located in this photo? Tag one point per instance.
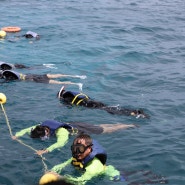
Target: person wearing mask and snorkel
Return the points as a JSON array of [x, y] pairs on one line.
[[89, 157], [62, 131], [10, 75], [81, 99]]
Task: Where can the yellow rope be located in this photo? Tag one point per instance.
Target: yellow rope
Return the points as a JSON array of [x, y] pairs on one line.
[[18, 140]]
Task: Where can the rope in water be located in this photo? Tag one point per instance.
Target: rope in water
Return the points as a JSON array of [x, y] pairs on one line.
[[21, 142]]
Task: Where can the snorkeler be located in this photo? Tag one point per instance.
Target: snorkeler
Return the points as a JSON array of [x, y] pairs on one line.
[[89, 157], [7, 66], [62, 131], [80, 99], [28, 35], [10, 75], [31, 34]]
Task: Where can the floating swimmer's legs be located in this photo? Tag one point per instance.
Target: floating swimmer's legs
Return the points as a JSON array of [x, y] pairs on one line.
[[109, 128], [63, 75], [80, 76]]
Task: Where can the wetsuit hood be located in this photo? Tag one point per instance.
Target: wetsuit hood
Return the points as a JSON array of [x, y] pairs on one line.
[[10, 75], [5, 66]]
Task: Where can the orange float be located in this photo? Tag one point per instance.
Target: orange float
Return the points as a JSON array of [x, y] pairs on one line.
[[11, 29]]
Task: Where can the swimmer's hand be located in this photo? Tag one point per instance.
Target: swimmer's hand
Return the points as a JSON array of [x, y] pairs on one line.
[[139, 114], [14, 137], [133, 126], [40, 152], [77, 76], [82, 76], [80, 85]]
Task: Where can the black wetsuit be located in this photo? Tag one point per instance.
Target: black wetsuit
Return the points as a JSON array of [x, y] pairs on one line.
[[87, 128], [6, 66], [70, 97], [13, 75], [37, 78]]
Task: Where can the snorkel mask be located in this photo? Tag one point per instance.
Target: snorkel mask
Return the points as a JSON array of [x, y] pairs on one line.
[[78, 149], [39, 132], [45, 137]]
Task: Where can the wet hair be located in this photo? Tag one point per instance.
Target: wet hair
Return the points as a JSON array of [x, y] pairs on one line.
[[37, 132], [28, 36], [86, 137], [31, 35]]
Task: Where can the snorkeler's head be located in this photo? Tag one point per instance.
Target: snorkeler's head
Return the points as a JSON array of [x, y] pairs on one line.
[[31, 34], [10, 75], [6, 66], [139, 114], [37, 132], [41, 132]]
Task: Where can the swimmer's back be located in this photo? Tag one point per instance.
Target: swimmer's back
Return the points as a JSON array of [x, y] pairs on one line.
[[37, 78]]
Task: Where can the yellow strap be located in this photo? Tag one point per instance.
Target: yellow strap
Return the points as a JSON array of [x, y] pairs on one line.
[[74, 129], [79, 100], [22, 77], [77, 163]]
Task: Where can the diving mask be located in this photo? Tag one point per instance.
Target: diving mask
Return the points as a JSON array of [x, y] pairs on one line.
[[45, 137], [79, 148]]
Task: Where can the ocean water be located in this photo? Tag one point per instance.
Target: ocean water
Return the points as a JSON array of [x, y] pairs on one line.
[[132, 53]]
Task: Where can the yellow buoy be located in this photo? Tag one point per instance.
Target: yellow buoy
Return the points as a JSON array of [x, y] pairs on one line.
[[2, 34], [49, 177], [2, 98]]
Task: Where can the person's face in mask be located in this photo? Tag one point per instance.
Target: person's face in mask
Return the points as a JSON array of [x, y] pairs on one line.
[[80, 150]]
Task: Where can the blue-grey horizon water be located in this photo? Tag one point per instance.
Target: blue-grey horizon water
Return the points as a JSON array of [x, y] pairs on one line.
[[132, 53]]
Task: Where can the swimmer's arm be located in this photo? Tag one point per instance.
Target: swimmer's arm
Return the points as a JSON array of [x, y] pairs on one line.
[[24, 131], [112, 172], [62, 135], [95, 168], [58, 168]]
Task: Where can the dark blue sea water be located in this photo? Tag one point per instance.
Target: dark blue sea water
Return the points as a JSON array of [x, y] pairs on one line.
[[133, 55]]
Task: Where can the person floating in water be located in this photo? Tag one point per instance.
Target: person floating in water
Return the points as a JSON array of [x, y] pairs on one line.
[[62, 131], [89, 157], [10, 75], [80, 99], [31, 34], [8, 66], [28, 35]]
